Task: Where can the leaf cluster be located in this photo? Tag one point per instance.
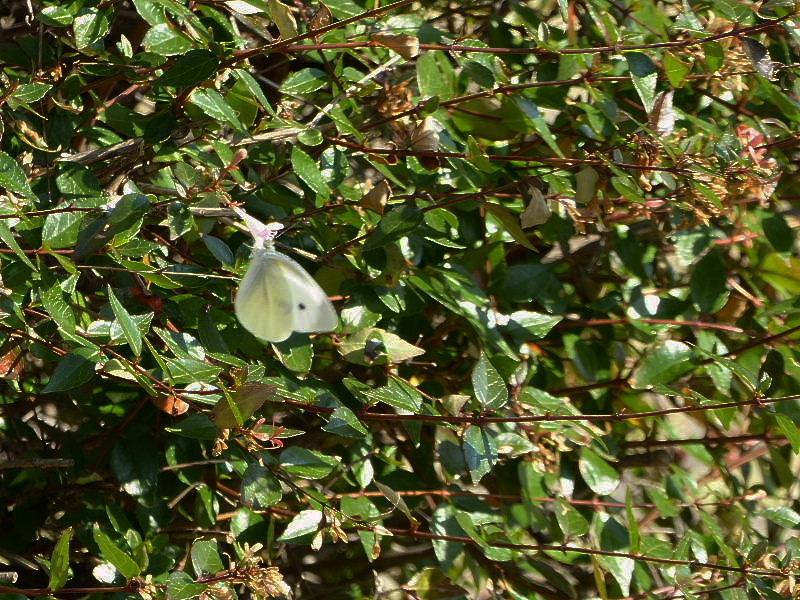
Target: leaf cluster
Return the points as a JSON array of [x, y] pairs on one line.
[[561, 237]]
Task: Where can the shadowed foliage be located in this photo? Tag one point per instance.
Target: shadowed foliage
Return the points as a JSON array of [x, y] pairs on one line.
[[561, 240]]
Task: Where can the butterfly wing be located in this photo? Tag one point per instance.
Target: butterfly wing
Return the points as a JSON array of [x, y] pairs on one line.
[[263, 304], [277, 296], [312, 311]]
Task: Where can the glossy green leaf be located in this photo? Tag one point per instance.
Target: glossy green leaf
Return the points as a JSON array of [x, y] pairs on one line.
[[129, 328], [570, 521], [480, 453], [394, 226], [307, 464], [662, 365], [783, 516], [90, 26], [113, 554], [206, 559], [304, 81], [778, 231], [676, 69], [190, 69], [59, 561], [260, 489], [13, 178], [181, 587], [645, 76], [306, 523], [234, 409], [72, 371], [600, 476], [490, 389], [308, 171], [214, 104], [344, 422], [709, 283], [396, 394], [55, 16]]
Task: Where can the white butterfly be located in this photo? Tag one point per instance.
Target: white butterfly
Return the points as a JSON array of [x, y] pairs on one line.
[[277, 296]]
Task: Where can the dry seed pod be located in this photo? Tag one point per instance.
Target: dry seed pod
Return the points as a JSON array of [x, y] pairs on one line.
[[537, 210], [377, 197], [403, 44], [425, 138], [322, 17], [662, 119]]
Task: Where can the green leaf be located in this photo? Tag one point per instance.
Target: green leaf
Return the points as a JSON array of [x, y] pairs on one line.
[[363, 509], [510, 223], [435, 76], [570, 521], [55, 16], [219, 249], [27, 93], [164, 39], [307, 523], [540, 124], [662, 365], [234, 409], [295, 353], [490, 389], [781, 273], [282, 16], [645, 77], [531, 325], [307, 463], [181, 587], [136, 471], [129, 328], [307, 169], [372, 346], [61, 230], [597, 473], [260, 489], [113, 554], [789, 429], [778, 231], [197, 426], [709, 283], [398, 394], [633, 523], [394, 226], [480, 453], [344, 422], [13, 178], [614, 538], [59, 561], [714, 55], [676, 69], [8, 239], [305, 81], [310, 137], [666, 506], [216, 106], [478, 156], [205, 558], [90, 26], [783, 516], [190, 69], [72, 371], [77, 182]]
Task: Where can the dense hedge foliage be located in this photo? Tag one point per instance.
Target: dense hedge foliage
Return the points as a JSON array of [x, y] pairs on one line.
[[561, 239]]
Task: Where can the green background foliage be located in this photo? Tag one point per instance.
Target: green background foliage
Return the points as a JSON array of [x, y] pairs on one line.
[[561, 238]]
